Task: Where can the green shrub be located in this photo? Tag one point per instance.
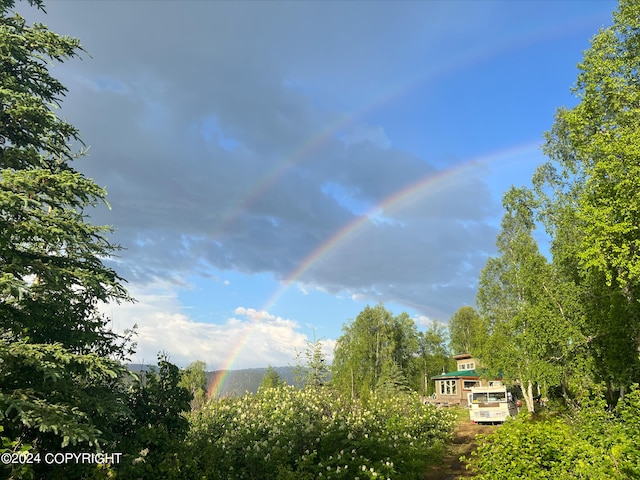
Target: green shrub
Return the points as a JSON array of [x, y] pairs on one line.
[[287, 433], [626, 452]]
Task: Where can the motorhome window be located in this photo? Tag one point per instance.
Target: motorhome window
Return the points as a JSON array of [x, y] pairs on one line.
[[497, 396], [489, 397]]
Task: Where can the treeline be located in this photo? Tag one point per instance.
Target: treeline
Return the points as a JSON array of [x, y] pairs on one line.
[[567, 325], [380, 352]]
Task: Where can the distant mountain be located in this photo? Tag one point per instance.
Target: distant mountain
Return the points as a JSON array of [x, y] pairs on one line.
[[139, 367], [231, 383]]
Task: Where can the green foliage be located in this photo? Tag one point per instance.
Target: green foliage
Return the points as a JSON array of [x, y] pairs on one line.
[[433, 357], [592, 444], [573, 324], [370, 350], [42, 386], [61, 383], [467, 331], [15, 469], [392, 380], [152, 436], [194, 379], [312, 369], [603, 133], [589, 195], [531, 311], [627, 450], [271, 379], [524, 449], [405, 343], [288, 433]]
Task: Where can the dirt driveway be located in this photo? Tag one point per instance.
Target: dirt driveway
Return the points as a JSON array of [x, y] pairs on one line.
[[464, 442]]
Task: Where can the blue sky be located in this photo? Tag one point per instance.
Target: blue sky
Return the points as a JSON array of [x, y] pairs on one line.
[[274, 167]]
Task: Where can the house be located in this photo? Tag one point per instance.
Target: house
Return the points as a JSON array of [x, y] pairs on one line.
[[452, 388]]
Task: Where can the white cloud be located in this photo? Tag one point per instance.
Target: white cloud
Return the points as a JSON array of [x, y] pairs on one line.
[[423, 320], [250, 339], [264, 317], [328, 347]]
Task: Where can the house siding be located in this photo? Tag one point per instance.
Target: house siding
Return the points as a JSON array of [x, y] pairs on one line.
[[452, 388]]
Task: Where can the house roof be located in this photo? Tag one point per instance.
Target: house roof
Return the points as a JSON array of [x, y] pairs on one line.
[[465, 374], [462, 356], [458, 373]]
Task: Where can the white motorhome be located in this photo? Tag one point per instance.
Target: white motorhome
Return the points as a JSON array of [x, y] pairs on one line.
[[491, 404]]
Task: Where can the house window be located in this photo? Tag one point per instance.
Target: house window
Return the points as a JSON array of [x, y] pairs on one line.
[[469, 383], [448, 387]]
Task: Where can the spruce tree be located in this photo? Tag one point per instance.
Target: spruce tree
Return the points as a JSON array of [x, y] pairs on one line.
[[60, 370]]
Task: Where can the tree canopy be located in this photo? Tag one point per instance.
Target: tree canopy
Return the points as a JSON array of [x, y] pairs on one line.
[[59, 368], [271, 379], [532, 323], [589, 196], [467, 331], [63, 383], [573, 322], [382, 353]]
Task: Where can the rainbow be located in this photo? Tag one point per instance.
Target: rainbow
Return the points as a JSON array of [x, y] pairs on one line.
[[402, 197], [281, 167], [394, 202], [342, 121]]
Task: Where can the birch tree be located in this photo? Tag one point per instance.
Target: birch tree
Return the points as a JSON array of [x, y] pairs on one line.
[[589, 193], [533, 325], [466, 331], [375, 349]]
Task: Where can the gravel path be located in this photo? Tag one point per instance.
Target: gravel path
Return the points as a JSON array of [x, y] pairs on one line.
[[464, 442]]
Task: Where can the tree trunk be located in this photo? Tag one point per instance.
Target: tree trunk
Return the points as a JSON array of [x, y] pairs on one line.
[[565, 395], [527, 394], [353, 392], [376, 374]]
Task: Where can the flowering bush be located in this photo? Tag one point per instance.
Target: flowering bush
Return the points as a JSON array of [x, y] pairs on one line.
[[287, 433]]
